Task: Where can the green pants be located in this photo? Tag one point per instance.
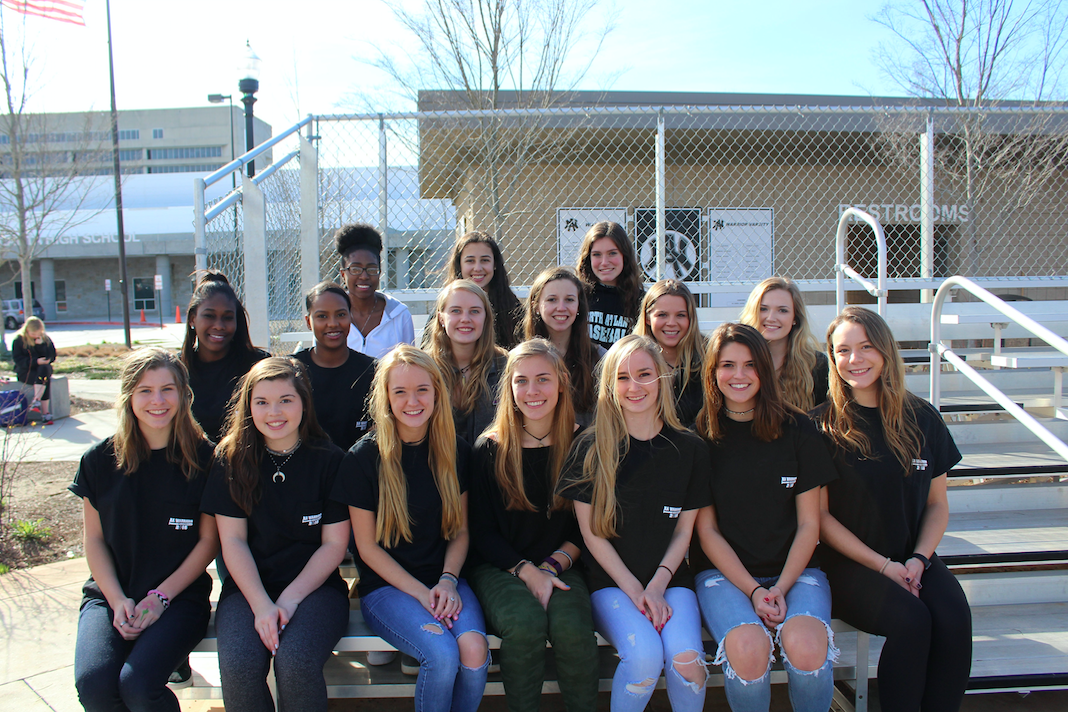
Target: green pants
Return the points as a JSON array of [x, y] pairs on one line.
[[514, 614]]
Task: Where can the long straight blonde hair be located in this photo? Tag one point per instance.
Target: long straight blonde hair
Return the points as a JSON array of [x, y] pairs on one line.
[[464, 393], [795, 376], [692, 345], [393, 522], [897, 407], [507, 427], [608, 441], [131, 448]]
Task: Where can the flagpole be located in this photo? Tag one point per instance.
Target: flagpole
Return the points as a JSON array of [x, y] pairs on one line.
[[118, 190]]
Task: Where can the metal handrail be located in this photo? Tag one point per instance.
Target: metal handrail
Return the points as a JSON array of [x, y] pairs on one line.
[[940, 351], [843, 270]]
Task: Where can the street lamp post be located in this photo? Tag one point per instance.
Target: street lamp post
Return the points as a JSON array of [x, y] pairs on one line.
[[248, 85]]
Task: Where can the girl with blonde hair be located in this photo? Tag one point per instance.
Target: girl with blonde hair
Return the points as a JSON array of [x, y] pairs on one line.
[[756, 571], [637, 478], [526, 535], [776, 309], [145, 605], [609, 269], [282, 542], [669, 316], [882, 519], [460, 339], [405, 485], [34, 353]]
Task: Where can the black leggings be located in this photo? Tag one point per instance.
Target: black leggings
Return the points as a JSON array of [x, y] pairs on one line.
[[927, 657]]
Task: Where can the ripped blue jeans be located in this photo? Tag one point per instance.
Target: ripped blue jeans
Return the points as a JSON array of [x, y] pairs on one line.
[[644, 653], [724, 608], [444, 683]]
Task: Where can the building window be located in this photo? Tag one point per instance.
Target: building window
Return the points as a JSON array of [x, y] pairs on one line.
[[129, 134], [145, 293], [157, 133], [160, 154], [203, 168], [61, 295], [130, 154]]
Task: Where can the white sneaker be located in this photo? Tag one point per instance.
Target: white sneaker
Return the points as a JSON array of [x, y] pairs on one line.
[[381, 657]]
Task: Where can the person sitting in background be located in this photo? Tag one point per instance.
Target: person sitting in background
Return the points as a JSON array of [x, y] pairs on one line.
[[379, 322], [34, 353]]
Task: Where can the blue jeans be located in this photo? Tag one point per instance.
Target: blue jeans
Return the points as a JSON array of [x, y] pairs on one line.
[[724, 608], [444, 683], [115, 675], [644, 653]]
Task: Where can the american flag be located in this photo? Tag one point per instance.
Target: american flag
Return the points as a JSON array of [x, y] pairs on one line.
[[62, 10]]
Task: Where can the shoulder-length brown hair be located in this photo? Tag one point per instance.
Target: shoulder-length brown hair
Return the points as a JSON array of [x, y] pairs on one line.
[[241, 448], [897, 407], [505, 303], [691, 347], [581, 357], [795, 376], [508, 428], [131, 448], [629, 282], [466, 392], [608, 439], [393, 522], [770, 407]]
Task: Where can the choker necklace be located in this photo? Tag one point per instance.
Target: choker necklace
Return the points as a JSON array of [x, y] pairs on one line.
[[278, 475], [739, 412], [541, 439]]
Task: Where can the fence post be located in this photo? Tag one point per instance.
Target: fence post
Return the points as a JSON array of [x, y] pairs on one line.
[[383, 199], [661, 189], [927, 206], [254, 208], [200, 239], [310, 269]]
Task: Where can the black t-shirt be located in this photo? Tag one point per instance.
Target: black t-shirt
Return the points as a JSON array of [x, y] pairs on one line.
[[820, 379], [470, 425], [150, 518], [503, 537], [285, 528], [754, 485], [357, 486], [340, 396], [872, 497], [657, 480], [213, 383], [609, 321], [688, 400]]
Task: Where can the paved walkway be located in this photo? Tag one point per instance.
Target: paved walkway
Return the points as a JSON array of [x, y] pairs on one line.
[[68, 438]]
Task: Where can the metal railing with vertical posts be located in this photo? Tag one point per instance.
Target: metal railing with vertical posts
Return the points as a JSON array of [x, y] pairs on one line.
[[843, 270]]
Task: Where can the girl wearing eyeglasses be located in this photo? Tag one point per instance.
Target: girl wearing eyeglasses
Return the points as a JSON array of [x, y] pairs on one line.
[[379, 322]]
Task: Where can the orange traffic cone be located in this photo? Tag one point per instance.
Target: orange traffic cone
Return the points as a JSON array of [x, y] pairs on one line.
[[143, 317], [177, 314]]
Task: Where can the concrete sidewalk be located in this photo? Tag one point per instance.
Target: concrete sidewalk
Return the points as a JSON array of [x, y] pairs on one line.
[[67, 438]]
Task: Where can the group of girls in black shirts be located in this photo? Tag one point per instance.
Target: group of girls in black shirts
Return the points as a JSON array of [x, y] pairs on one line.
[[589, 470]]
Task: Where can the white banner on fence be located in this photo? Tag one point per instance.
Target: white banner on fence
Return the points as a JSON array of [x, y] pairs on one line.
[[682, 242], [741, 248], [571, 227]]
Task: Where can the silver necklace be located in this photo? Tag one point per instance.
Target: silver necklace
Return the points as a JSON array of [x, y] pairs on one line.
[[278, 475], [367, 321], [739, 412]]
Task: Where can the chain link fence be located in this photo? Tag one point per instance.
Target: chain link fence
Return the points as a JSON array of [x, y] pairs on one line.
[[747, 192]]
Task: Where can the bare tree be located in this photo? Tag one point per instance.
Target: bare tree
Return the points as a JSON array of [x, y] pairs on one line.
[[489, 55], [997, 64], [45, 168]]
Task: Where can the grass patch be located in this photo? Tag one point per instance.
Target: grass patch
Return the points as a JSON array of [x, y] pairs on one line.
[[4, 568], [26, 530], [91, 361]]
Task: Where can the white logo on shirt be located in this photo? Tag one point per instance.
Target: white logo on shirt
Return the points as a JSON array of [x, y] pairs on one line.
[[788, 482], [311, 519], [362, 425], [672, 512], [179, 524], [920, 464]]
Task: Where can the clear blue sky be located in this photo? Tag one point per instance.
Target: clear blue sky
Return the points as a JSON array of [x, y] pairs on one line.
[[176, 53]]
